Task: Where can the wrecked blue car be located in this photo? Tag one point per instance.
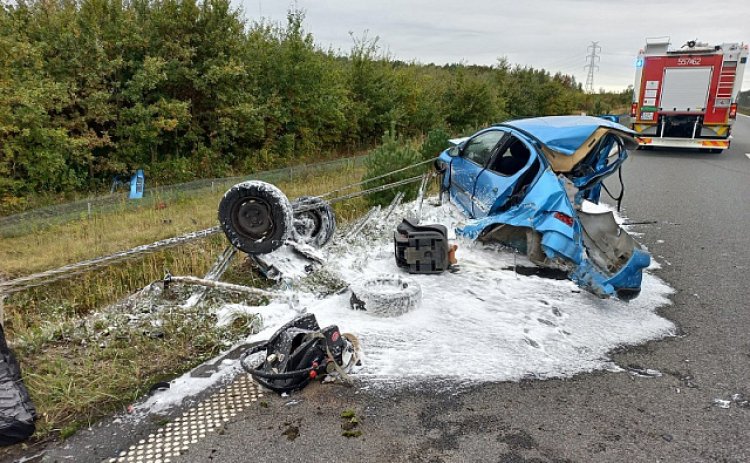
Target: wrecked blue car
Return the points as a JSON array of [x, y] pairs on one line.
[[523, 184]]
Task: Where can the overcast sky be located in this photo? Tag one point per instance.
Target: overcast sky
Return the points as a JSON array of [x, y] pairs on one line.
[[552, 34]]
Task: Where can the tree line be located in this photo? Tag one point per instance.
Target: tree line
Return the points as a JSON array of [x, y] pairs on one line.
[[186, 89]]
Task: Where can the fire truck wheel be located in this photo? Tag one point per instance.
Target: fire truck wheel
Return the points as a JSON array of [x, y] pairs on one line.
[[256, 217], [314, 221], [386, 295]]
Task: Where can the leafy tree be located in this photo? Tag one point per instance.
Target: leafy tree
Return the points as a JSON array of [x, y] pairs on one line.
[[434, 143], [394, 153]]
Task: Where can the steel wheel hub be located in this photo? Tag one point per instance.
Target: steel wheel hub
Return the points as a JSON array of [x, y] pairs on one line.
[[253, 219]]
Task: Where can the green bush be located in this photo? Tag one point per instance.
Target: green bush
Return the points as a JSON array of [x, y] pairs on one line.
[[434, 143], [395, 153]]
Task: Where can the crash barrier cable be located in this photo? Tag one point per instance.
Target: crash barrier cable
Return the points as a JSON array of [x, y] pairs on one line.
[[68, 271], [308, 203]]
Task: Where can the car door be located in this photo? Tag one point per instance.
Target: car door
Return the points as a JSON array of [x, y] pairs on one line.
[[507, 173], [466, 167]]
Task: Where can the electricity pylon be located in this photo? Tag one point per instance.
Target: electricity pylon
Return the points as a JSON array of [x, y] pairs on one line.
[[593, 58]]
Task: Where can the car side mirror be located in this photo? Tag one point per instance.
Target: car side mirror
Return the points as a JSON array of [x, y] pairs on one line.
[[454, 151]]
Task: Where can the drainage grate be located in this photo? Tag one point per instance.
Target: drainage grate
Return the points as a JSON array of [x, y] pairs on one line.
[[175, 438]]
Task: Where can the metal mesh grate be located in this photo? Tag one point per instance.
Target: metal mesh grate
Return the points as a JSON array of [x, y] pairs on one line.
[[174, 439]]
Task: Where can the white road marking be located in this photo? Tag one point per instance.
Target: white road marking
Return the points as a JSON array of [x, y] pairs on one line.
[[174, 439], [748, 155]]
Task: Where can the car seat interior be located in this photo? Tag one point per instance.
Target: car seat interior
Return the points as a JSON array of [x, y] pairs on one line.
[[512, 159]]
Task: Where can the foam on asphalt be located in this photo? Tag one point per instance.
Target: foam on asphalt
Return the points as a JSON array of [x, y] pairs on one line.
[[483, 323]]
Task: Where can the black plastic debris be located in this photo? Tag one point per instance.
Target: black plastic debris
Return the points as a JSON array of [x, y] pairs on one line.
[[421, 248], [299, 352], [17, 413]]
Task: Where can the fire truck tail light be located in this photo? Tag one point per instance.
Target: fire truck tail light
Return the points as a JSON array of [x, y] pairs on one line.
[[733, 111], [633, 109]]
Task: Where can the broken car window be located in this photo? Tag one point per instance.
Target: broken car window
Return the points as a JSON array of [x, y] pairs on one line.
[[513, 158]]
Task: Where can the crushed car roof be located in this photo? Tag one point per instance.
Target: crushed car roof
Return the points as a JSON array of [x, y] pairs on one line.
[[565, 134]]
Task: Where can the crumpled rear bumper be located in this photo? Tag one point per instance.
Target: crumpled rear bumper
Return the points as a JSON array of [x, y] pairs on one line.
[[625, 284]]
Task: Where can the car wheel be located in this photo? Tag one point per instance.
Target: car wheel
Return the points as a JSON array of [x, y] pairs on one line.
[[314, 221], [256, 217], [386, 295]]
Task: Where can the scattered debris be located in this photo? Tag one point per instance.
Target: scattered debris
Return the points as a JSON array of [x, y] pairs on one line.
[[291, 432], [17, 412], [638, 371], [350, 424], [298, 353], [721, 403], [159, 387], [422, 248], [741, 401], [386, 295]]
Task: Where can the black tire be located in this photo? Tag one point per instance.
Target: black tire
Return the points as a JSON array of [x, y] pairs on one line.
[[314, 221], [256, 217], [386, 295]]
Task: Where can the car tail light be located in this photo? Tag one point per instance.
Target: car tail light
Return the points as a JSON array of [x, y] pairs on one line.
[[566, 219], [733, 111], [633, 109]]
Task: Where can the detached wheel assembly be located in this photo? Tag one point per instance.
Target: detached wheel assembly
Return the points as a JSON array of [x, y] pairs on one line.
[[256, 217], [386, 296], [314, 221]]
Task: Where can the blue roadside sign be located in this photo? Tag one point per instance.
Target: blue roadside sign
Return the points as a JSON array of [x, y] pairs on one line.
[[137, 185]]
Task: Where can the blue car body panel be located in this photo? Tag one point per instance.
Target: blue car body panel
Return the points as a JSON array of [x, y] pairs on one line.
[[564, 134], [544, 199]]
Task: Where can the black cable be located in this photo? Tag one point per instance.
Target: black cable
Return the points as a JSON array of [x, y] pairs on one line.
[[622, 189]]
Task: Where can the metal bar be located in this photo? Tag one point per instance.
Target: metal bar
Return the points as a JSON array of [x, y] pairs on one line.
[[362, 222], [394, 204], [420, 195], [214, 273]]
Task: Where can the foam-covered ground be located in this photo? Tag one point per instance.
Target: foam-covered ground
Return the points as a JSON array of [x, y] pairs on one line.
[[482, 323]]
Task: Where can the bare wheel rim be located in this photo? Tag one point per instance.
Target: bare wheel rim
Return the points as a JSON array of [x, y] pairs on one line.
[[308, 224], [253, 219]]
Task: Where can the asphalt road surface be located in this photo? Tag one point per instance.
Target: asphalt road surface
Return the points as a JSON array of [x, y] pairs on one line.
[[695, 212]]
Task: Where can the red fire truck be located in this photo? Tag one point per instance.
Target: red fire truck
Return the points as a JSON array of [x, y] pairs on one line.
[[687, 98]]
